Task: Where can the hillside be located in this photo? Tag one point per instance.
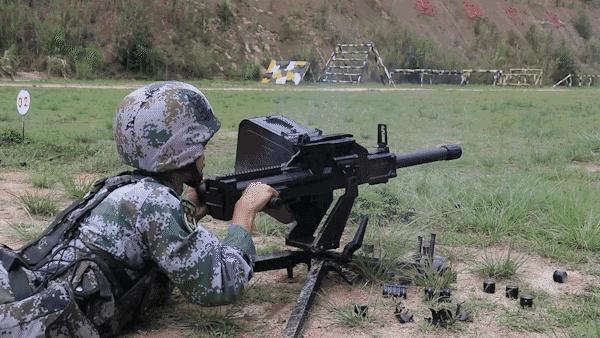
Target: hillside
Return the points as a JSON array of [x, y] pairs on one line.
[[235, 38]]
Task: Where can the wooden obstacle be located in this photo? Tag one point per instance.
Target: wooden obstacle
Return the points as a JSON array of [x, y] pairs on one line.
[[522, 77], [582, 80], [465, 74], [349, 62]]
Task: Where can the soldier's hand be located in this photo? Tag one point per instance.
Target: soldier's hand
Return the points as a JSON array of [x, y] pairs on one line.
[[201, 209], [256, 196], [254, 199]]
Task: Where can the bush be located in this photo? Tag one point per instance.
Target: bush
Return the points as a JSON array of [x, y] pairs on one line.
[[309, 55], [320, 18], [40, 205], [583, 25], [133, 41], [592, 51], [402, 48], [251, 72], [225, 14], [198, 61], [565, 63], [289, 31], [87, 61], [10, 136]]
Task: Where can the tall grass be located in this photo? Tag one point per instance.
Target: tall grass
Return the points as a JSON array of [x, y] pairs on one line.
[[500, 266], [23, 231], [77, 187]]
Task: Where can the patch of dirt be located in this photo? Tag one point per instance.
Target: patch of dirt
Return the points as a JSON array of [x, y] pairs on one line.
[[14, 184]]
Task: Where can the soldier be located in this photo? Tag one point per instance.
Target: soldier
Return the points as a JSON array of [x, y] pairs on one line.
[[125, 245]]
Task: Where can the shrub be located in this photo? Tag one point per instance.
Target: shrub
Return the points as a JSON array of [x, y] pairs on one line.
[[132, 40], [565, 63], [77, 188], [289, 30], [251, 72], [309, 55], [583, 25], [24, 231], [198, 61], [87, 60], [592, 51], [320, 18], [500, 267], [39, 205], [225, 14], [42, 180], [10, 136]]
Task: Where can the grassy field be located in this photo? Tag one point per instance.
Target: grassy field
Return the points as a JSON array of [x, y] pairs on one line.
[[529, 178]]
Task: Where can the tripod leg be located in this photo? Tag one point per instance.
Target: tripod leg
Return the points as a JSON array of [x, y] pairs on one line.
[[301, 310]]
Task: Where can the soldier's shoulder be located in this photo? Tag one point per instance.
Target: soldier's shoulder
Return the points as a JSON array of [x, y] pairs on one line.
[[156, 193], [141, 190]]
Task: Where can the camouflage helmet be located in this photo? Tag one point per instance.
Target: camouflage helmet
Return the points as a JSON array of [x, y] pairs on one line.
[[163, 126]]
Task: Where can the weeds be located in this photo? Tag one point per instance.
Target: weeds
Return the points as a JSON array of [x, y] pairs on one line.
[[267, 226], [267, 249], [267, 293], [579, 312], [429, 276], [523, 320], [345, 315], [42, 180], [498, 211], [77, 187], [225, 14], [10, 136], [573, 221], [212, 323], [24, 231], [499, 267], [39, 205], [582, 25]]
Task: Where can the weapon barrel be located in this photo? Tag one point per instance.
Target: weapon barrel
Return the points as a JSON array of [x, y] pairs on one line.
[[443, 153]]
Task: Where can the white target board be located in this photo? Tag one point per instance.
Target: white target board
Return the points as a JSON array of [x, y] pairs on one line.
[[23, 102]]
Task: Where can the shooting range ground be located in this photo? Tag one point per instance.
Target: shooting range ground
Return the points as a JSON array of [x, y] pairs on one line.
[[528, 183]]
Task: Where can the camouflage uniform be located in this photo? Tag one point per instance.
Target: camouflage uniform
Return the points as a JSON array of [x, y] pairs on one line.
[[140, 227]]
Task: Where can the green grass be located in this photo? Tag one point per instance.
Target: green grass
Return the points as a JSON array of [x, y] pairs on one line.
[[77, 187], [499, 267], [39, 205], [268, 249], [579, 313], [345, 315], [23, 231], [42, 180], [523, 178], [266, 225], [429, 276]]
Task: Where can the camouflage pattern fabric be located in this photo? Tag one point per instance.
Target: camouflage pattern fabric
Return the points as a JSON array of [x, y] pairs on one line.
[[140, 225], [163, 126], [52, 312], [145, 222]]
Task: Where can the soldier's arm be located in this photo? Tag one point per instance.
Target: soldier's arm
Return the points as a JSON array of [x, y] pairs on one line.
[[206, 271]]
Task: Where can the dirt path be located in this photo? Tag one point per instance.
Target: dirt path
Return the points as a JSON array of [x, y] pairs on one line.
[[19, 84]]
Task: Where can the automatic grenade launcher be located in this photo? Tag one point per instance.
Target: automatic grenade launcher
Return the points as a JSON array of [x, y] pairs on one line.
[[306, 166]]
